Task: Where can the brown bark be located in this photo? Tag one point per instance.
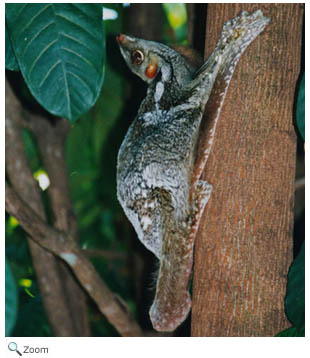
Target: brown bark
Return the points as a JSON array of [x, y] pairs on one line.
[[51, 142], [62, 245], [190, 9], [21, 178], [244, 246], [145, 21]]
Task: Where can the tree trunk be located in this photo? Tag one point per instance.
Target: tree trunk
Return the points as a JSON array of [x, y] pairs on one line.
[[145, 21], [244, 246]]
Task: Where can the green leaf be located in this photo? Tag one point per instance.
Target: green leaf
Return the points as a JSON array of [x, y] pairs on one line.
[[10, 59], [60, 49], [300, 113], [295, 294], [291, 332], [32, 320], [10, 300]]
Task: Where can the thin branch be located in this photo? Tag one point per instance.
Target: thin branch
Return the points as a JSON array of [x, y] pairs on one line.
[[50, 136], [56, 241], [47, 237], [46, 265]]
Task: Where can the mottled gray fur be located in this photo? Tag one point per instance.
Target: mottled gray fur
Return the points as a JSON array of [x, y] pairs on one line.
[[157, 157]]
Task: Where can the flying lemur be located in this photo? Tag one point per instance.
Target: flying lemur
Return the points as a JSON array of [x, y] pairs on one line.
[[160, 162]]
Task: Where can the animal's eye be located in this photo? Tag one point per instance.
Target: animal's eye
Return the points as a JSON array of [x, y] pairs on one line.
[[137, 57]]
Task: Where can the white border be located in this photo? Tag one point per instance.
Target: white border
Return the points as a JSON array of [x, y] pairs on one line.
[[150, 347]]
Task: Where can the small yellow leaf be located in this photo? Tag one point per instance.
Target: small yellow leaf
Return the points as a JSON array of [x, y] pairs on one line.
[[25, 282]]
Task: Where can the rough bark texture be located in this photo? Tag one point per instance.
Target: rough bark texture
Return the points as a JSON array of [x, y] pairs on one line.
[[244, 246], [46, 265], [51, 141]]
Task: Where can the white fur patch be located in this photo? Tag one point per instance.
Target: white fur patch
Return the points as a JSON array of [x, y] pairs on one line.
[[159, 91], [146, 221]]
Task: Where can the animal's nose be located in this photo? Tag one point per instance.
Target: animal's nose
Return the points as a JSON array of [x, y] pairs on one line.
[[120, 38]]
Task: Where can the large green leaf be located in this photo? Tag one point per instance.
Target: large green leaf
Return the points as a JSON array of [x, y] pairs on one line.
[[10, 59], [295, 296], [60, 49], [10, 300]]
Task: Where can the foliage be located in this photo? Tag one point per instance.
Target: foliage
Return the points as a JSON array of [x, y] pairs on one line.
[[295, 296], [295, 293], [10, 59], [290, 332], [31, 320], [61, 61], [11, 300]]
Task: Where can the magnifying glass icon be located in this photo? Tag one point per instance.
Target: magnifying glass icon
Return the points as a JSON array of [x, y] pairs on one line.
[[13, 347]]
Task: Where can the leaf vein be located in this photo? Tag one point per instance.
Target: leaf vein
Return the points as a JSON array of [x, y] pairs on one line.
[[67, 90], [40, 55], [36, 35], [80, 56], [76, 40], [76, 24], [48, 73], [35, 16], [21, 9], [88, 87]]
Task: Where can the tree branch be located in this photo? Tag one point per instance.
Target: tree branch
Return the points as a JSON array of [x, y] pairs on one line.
[[21, 178], [57, 242], [51, 136]]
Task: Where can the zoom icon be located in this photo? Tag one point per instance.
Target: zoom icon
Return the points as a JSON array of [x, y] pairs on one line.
[[13, 347]]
